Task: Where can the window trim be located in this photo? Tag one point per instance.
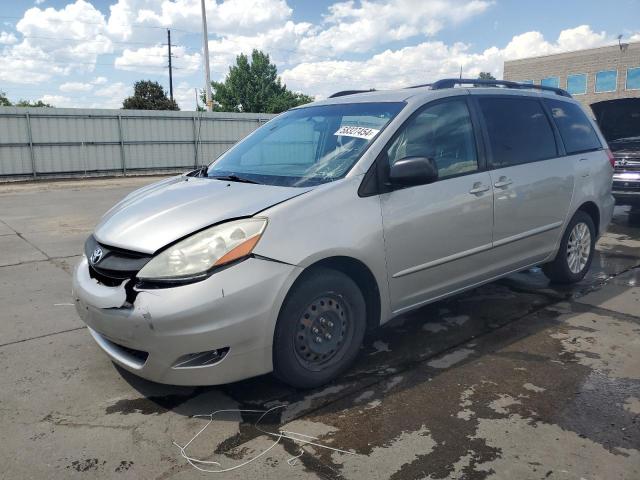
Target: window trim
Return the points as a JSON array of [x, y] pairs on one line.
[[560, 151], [557, 77], [595, 81], [626, 79], [586, 82], [374, 181]]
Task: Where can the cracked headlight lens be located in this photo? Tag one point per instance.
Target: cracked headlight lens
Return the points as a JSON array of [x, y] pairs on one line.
[[213, 247]]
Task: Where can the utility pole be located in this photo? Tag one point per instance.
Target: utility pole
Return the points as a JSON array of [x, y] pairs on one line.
[[170, 69], [205, 45]]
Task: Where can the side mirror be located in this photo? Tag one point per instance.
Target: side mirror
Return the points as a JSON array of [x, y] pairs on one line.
[[410, 171]]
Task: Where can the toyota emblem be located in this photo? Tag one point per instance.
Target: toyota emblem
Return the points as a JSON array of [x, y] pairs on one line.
[[96, 256]]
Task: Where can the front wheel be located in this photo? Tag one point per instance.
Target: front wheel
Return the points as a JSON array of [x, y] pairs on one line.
[[576, 251], [319, 330]]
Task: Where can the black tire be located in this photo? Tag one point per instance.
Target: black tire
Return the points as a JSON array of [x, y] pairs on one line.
[[559, 270], [323, 296]]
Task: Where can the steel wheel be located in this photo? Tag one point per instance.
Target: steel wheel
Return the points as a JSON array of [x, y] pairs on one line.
[[323, 329], [578, 247]]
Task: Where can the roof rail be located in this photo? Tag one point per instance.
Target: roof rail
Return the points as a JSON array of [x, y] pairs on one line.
[[451, 82], [350, 92]]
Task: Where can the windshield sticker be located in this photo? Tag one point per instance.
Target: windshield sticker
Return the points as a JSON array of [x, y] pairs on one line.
[[357, 132]]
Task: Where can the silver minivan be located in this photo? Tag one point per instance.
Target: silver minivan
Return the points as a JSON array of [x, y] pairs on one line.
[[336, 216]]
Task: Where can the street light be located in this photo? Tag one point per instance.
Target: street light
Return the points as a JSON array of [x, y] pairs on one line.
[[205, 44]]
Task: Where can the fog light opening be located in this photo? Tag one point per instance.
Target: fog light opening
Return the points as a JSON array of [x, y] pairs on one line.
[[201, 359]]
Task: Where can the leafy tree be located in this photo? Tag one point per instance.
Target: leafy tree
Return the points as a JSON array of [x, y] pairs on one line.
[[148, 95], [486, 76], [4, 101], [254, 86], [31, 103]]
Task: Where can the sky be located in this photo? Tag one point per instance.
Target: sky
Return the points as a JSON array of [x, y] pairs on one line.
[[89, 53]]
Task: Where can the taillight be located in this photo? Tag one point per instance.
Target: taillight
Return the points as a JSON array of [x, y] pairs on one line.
[[612, 159]]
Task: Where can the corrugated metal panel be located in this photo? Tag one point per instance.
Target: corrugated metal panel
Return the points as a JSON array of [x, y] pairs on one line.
[[64, 140]]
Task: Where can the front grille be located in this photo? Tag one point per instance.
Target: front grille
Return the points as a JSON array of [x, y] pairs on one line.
[[626, 163], [111, 265]]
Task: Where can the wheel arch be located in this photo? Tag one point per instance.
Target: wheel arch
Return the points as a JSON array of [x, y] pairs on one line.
[[591, 209], [360, 274]]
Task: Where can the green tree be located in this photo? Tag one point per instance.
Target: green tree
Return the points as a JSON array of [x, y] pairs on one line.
[[254, 86], [32, 103], [4, 101], [486, 76], [148, 95]]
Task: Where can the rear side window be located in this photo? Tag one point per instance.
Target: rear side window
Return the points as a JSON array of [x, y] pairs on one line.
[[519, 130], [575, 129]]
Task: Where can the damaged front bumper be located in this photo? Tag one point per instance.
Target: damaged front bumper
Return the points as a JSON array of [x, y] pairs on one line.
[[216, 331]]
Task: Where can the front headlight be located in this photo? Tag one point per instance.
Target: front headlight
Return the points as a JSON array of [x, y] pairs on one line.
[[196, 255]]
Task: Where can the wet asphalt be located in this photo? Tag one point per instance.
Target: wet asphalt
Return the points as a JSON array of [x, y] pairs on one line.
[[517, 379]]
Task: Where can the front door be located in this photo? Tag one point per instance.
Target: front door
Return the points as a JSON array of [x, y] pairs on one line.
[[435, 234]]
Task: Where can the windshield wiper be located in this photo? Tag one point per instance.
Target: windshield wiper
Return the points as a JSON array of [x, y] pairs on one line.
[[233, 178]]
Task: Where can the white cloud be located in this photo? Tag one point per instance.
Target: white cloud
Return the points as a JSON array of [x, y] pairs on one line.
[[154, 59], [230, 16], [280, 43], [75, 87], [57, 100], [55, 42], [362, 28], [429, 61], [112, 95], [40, 2], [7, 38], [184, 93]]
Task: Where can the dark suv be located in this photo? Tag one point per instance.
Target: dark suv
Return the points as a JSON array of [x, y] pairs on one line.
[[619, 122]]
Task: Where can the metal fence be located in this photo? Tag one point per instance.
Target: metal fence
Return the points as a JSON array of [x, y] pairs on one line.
[[41, 142]]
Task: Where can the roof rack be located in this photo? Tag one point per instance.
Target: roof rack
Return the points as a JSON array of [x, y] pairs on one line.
[[350, 92], [452, 82]]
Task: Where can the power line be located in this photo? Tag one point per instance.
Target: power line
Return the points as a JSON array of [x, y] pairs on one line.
[[107, 23]]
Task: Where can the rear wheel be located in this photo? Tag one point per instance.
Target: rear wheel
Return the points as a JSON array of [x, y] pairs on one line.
[[576, 251], [320, 329]]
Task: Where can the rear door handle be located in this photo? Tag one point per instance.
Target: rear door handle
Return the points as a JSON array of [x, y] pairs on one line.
[[479, 187], [503, 182]]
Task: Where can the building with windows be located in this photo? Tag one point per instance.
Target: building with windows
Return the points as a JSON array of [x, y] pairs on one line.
[[597, 77]]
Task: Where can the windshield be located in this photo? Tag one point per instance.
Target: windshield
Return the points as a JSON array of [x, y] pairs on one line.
[[306, 146]]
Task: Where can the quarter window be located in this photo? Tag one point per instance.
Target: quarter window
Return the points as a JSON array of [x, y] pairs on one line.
[[550, 82], [577, 84], [633, 78], [442, 132], [575, 129], [606, 81], [519, 131]]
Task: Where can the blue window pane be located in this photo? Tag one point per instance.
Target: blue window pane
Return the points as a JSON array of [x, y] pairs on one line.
[[606, 81], [527, 82], [633, 78], [550, 82], [577, 84]]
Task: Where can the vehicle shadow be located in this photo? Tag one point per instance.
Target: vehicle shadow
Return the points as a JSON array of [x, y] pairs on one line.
[[406, 342]]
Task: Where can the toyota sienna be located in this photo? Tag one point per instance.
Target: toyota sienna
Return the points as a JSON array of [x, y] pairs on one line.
[[336, 216]]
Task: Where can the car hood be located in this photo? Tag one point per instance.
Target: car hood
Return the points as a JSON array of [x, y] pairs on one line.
[[154, 216]]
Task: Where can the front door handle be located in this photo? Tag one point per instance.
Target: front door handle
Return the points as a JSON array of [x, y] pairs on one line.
[[503, 182], [479, 187]]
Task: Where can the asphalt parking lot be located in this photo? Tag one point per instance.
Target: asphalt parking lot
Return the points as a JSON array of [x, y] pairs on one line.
[[518, 379]]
